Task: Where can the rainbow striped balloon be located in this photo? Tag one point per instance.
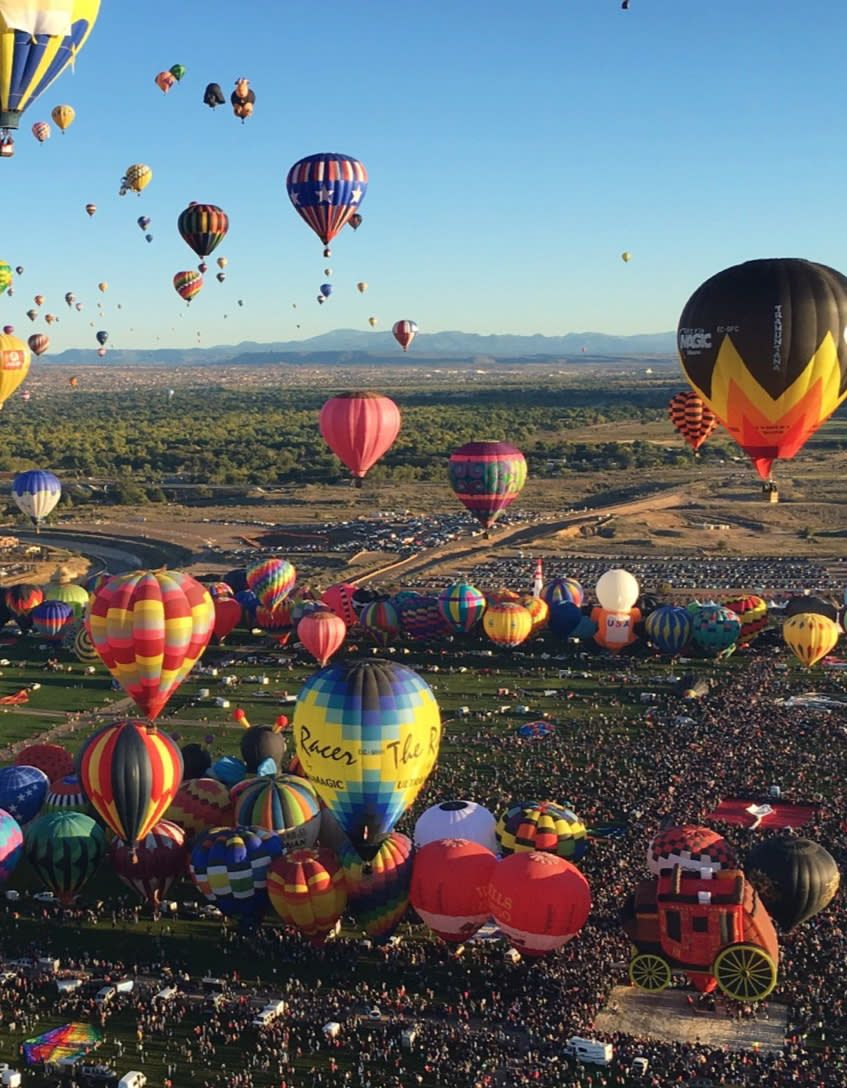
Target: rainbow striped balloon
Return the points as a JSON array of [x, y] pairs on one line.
[[462, 606], [271, 581], [286, 804], [378, 890], [150, 630]]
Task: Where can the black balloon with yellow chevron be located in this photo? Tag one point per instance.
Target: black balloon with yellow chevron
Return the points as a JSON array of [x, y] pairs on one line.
[[763, 343]]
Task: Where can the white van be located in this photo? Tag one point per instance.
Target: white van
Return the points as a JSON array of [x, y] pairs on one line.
[[589, 1050], [167, 993], [125, 985], [9, 1077], [104, 995], [133, 1079], [269, 1013]]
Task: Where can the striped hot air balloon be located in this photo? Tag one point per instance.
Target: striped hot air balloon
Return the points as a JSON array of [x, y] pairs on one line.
[[159, 859], [188, 283], [22, 598], [51, 619], [381, 621], [487, 477], [65, 849], [669, 629], [692, 418], [752, 611], [67, 795], [404, 332], [200, 803], [810, 636], [326, 191], [203, 227], [83, 645], [559, 590], [507, 624], [378, 890], [130, 773], [286, 804], [539, 610], [229, 865], [271, 580], [150, 629], [308, 891], [420, 617], [462, 606]]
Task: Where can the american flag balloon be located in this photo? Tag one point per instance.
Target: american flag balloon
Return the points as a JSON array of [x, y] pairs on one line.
[[326, 191]]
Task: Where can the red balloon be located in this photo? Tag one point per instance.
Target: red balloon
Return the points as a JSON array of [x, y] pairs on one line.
[[322, 633], [359, 428], [450, 887], [227, 616], [50, 758], [157, 861], [539, 901], [340, 599]]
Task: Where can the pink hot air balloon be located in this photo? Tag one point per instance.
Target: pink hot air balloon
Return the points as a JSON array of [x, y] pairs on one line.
[[340, 599], [322, 633], [41, 131], [404, 333], [227, 616], [359, 428]]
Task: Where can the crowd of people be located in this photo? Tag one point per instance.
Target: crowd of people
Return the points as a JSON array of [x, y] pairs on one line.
[[479, 1019]]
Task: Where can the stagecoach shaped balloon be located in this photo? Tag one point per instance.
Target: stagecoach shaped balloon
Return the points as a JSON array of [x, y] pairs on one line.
[[367, 734], [38, 40], [763, 343]]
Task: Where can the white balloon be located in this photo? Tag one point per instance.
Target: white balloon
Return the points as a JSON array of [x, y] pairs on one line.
[[457, 820], [617, 590]]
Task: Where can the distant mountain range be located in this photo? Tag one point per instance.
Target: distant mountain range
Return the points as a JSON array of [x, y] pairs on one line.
[[355, 346]]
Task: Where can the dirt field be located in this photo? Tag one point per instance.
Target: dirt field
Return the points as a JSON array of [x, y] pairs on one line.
[[667, 1017]]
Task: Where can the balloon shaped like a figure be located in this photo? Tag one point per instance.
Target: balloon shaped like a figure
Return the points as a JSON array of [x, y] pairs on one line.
[[367, 734], [762, 343]]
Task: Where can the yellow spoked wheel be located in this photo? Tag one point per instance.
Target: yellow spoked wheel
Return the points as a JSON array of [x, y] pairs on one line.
[[649, 972], [745, 972]]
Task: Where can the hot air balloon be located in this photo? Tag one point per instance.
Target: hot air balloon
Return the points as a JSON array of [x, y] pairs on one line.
[[83, 647], [20, 269], [355, 221], [420, 617], [143, 222], [271, 580], [230, 865], [187, 284], [213, 96], [367, 734], [32, 315], [456, 820], [796, 878], [53, 759], [487, 477], [130, 773], [507, 624], [65, 850], [71, 594], [361, 287], [150, 629], [67, 795], [373, 322], [5, 276], [63, 116], [52, 619], [222, 262], [404, 332], [326, 289], [307, 890], [322, 634], [378, 890], [178, 71], [137, 177], [102, 338], [462, 606], [164, 81], [539, 901], [690, 847], [381, 621], [220, 277], [159, 859], [38, 343], [41, 131], [359, 428], [227, 617], [669, 629], [15, 358], [20, 600], [22, 792], [243, 99], [715, 629], [694, 421], [340, 599], [200, 803], [36, 494], [260, 743], [203, 227], [544, 826], [196, 761], [762, 344], [617, 590], [752, 611], [326, 191], [285, 804], [626, 256], [450, 887], [102, 288], [91, 210], [810, 637], [11, 845]]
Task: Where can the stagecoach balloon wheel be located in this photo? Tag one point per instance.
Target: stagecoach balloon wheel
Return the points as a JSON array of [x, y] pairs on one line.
[[649, 972], [745, 972]]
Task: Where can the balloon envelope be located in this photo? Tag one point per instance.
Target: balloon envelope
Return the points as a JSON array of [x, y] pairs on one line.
[[796, 878], [359, 428], [487, 477]]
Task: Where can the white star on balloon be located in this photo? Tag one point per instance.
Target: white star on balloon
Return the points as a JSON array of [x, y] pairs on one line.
[[295, 198], [356, 195], [325, 195]]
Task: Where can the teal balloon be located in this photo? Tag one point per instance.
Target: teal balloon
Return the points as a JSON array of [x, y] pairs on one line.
[[714, 629], [461, 606], [669, 629], [65, 849]]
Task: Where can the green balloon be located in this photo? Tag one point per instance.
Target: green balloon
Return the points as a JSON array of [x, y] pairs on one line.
[[70, 593], [178, 71], [64, 849]]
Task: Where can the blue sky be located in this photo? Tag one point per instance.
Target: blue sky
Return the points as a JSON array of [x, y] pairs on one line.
[[513, 151]]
